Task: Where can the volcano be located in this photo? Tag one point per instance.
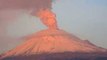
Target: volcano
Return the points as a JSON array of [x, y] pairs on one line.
[[53, 41], [53, 44]]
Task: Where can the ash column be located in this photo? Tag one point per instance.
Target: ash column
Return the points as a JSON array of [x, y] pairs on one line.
[[48, 18]]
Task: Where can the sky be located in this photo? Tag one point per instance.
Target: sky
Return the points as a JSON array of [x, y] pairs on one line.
[[86, 19]]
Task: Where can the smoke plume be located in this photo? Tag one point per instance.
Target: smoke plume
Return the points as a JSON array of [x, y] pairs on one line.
[[10, 10], [48, 18], [36, 5]]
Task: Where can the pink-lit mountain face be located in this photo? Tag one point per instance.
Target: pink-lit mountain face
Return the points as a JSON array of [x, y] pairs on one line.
[[52, 41]]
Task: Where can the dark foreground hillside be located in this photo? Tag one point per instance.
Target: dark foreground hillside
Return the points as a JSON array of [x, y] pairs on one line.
[[61, 56]]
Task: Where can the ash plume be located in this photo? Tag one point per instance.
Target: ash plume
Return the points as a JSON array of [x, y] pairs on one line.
[[10, 10], [48, 18], [25, 4]]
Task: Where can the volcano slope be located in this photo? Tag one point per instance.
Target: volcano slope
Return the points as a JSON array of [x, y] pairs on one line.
[[55, 44]]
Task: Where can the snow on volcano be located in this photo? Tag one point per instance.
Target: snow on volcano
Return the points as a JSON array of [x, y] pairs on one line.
[[52, 41]]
